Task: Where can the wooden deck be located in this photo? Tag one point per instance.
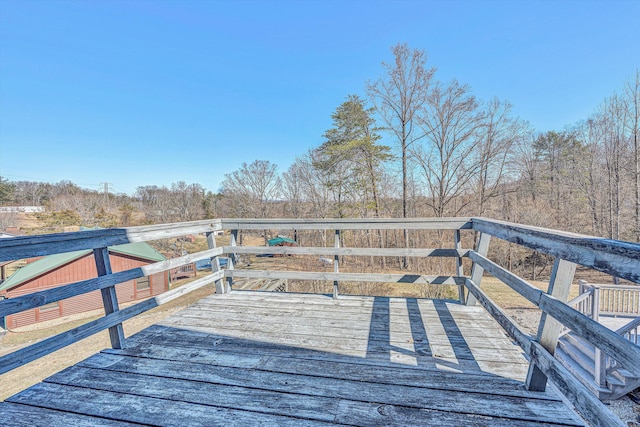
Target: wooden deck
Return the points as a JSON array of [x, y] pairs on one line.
[[251, 358]]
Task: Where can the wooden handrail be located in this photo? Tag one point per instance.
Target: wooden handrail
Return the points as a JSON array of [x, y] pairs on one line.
[[345, 251], [37, 299], [580, 298], [628, 327], [20, 247], [346, 224], [592, 409], [614, 257], [590, 330], [42, 348], [620, 259]]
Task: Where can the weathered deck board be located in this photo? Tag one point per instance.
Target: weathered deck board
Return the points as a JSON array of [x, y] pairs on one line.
[[199, 342], [29, 416], [251, 358]]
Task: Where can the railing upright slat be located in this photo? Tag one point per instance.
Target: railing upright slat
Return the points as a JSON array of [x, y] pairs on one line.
[[232, 259], [459, 268], [549, 328], [336, 262], [215, 261], [477, 271], [109, 296]]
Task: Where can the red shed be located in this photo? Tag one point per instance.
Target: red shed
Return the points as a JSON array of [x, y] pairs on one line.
[[61, 269]]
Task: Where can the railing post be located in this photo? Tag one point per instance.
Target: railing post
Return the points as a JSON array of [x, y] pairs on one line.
[[595, 303], [599, 364], [581, 307], [459, 268], [215, 261], [336, 260], [109, 297], [232, 259], [549, 329], [477, 271]]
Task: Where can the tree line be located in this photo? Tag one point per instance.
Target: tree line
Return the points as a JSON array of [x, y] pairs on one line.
[[451, 154], [410, 146]]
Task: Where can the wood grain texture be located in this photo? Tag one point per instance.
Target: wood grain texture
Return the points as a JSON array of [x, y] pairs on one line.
[[328, 251], [36, 299], [549, 328], [17, 415], [27, 354], [109, 297], [477, 269], [310, 360], [613, 344], [20, 247], [347, 224], [349, 277], [613, 257], [592, 409]]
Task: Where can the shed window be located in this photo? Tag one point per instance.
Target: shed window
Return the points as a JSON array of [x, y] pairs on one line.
[[142, 283], [50, 307]]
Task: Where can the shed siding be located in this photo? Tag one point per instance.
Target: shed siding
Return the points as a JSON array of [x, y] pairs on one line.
[[81, 269]]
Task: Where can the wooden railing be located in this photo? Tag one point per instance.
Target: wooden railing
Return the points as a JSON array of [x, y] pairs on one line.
[[601, 299], [617, 300], [617, 258], [630, 331], [183, 272], [596, 299]]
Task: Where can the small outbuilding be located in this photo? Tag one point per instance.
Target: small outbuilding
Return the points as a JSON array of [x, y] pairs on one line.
[[61, 269], [282, 241]]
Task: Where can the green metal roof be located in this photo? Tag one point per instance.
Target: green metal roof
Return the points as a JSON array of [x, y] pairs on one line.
[[39, 267], [139, 250], [280, 240]]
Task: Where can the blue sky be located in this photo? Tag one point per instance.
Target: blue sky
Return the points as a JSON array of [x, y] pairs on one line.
[[153, 92]]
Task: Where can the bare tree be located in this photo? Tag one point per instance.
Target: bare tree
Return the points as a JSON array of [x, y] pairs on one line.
[[612, 119], [156, 203], [253, 187], [188, 200], [498, 135], [451, 126], [8, 219], [399, 97], [589, 174], [292, 190], [30, 193], [632, 125]]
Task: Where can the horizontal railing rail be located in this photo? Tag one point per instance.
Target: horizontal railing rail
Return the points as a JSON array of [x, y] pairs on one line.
[[620, 259], [348, 224], [348, 277], [37, 299], [630, 331], [21, 247], [614, 257], [582, 303], [597, 334], [49, 345], [329, 250], [619, 300]]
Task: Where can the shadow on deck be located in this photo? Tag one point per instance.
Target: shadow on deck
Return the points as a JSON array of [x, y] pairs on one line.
[[250, 358]]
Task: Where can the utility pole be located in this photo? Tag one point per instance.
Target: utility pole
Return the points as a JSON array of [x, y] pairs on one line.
[[106, 186]]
